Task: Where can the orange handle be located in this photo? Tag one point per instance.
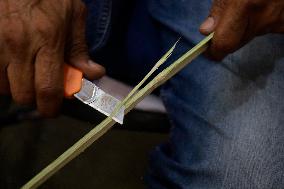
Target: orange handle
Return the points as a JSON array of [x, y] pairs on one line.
[[72, 81]]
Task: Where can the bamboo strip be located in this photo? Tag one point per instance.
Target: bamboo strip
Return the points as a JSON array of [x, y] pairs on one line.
[[149, 74], [107, 124]]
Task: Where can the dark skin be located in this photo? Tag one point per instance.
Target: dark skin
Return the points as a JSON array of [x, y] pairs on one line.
[[236, 22], [38, 36], [34, 46]]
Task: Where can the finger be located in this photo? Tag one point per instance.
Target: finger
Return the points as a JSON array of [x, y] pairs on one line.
[[49, 81], [209, 25], [20, 70], [90, 69], [4, 88], [4, 82], [21, 79], [78, 54], [279, 26], [230, 31]]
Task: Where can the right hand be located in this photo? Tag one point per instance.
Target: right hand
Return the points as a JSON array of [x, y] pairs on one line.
[[236, 22], [36, 38]]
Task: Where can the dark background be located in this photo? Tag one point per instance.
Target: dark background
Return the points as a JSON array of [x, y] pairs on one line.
[[117, 160]]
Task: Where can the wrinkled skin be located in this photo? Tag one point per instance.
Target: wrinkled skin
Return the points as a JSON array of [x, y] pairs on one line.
[[36, 38], [236, 22]]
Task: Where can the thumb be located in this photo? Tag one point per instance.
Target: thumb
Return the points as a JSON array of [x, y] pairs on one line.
[[78, 54], [210, 23]]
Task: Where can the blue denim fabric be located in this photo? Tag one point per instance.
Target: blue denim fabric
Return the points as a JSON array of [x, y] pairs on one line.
[[98, 23], [227, 117]]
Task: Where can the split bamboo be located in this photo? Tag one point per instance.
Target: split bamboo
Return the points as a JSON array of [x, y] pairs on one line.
[[129, 103]]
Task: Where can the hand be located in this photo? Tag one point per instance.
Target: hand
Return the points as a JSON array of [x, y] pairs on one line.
[[36, 38], [236, 22]]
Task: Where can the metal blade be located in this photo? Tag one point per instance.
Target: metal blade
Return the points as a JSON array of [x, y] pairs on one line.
[[96, 98]]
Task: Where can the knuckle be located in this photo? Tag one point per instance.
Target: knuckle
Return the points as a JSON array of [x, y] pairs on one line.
[[45, 29], [13, 38], [50, 28]]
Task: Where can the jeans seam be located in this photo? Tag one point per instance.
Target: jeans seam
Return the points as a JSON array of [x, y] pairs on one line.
[[103, 26]]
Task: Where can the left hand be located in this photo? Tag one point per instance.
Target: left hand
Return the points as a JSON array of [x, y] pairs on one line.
[[36, 38], [236, 22]]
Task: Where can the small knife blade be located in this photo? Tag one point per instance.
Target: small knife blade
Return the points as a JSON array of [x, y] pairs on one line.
[[90, 94]]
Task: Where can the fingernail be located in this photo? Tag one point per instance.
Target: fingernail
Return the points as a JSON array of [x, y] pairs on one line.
[[93, 64], [208, 25]]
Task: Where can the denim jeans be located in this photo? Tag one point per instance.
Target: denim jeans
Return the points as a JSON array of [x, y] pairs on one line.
[[227, 117]]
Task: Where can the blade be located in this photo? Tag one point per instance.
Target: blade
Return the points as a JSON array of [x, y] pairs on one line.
[[96, 98]]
